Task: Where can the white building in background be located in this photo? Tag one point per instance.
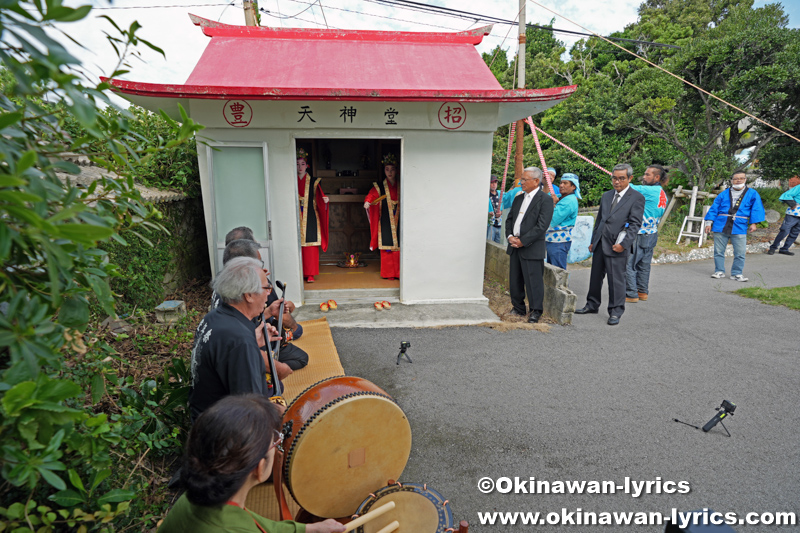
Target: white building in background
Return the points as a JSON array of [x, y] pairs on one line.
[[349, 97]]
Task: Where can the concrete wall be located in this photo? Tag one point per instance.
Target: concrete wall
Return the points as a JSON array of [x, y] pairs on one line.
[[559, 300], [443, 177]]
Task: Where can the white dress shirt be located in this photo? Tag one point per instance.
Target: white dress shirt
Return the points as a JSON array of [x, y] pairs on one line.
[[526, 201], [621, 193]]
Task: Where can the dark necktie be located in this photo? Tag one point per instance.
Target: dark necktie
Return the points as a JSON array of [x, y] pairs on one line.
[[614, 201]]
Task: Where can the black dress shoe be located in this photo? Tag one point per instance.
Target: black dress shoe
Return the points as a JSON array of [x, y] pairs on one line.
[[514, 312], [534, 318], [785, 252], [613, 320], [770, 252], [586, 310]]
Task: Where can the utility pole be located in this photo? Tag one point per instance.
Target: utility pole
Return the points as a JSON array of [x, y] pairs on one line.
[[518, 165], [250, 7]]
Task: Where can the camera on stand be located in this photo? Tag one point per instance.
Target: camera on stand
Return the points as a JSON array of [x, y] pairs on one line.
[[725, 409], [404, 345]]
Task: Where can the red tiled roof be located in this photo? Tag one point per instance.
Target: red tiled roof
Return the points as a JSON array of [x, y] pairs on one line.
[[312, 64]]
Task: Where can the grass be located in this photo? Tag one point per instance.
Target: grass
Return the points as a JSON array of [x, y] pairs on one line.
[[786, 296]]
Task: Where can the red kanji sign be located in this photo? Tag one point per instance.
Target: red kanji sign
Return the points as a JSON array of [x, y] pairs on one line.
[[452, 115], [237, 113]]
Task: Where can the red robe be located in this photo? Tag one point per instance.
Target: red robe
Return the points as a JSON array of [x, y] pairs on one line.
[[390, 250], [310, 249]]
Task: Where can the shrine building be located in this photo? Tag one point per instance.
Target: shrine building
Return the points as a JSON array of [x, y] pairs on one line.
[[348, 98]]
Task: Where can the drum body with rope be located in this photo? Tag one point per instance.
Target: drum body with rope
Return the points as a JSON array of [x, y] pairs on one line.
[[343, 437], [418, 509]]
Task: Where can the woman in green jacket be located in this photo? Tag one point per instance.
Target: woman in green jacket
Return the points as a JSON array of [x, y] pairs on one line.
[[230, 450]]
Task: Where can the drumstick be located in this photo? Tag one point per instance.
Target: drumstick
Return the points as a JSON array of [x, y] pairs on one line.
[[363, 519], [391, 527]]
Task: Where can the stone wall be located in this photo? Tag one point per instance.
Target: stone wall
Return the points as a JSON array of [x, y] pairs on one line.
[[190, 257], [559, 300]]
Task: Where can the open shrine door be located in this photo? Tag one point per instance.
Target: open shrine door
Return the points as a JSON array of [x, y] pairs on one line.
[[239, 179]]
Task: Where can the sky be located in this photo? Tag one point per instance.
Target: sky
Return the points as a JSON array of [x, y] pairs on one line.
[[166, 24]]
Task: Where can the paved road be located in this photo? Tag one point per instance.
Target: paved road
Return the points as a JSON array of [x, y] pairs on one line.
[[594, 402]]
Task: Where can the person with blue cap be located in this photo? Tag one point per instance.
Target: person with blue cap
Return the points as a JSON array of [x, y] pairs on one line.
[[558, 238]]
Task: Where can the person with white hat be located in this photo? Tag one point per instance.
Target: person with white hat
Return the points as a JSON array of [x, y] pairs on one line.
[[559, 235]]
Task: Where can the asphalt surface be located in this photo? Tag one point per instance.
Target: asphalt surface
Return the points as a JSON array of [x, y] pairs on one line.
[[594, 402]]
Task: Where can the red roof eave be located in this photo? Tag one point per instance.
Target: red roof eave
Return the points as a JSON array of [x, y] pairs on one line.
[[157, 90]]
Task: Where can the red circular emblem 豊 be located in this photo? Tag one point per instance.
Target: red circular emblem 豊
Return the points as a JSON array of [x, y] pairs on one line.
[[237, 113]]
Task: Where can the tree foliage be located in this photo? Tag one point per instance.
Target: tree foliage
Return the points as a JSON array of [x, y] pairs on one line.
[[55, 450], [625, 110]]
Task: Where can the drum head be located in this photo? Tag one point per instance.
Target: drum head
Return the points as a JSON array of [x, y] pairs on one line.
[[345, 451], [417, 509]]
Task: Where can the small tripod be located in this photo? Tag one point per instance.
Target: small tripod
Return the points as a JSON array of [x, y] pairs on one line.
[[727, 408], [404, 345]]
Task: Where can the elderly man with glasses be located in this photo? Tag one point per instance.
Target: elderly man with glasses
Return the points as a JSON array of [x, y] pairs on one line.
[[526, 227], [291, 357], [618, 221], [226, 358]]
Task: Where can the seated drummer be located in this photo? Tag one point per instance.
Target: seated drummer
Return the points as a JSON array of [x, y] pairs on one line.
[[230, 450], [226, 358], [290, 355]]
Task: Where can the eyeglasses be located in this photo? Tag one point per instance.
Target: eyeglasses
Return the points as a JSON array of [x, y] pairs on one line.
[[268, 288], [615, 178], [277, 442]]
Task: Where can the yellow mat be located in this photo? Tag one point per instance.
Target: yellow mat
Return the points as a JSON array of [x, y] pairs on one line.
[[323, 362], [323, 359], [332, 277]]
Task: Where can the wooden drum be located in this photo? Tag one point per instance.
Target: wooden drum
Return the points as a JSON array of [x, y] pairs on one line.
[[343, 437], [418, 509]]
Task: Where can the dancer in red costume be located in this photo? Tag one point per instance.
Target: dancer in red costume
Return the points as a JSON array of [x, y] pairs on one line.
[[383, 210], [313, 220]]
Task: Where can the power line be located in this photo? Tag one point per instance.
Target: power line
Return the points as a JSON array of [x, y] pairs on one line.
[[446, 11], [162, 7]]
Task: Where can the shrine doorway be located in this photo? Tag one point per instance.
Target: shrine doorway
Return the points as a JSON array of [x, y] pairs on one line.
[[347, 169]]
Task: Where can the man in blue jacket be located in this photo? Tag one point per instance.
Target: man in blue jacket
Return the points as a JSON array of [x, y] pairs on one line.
[[730, 215], [655, 203], [791, 223]]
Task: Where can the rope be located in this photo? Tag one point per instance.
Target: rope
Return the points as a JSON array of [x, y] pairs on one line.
[[668, 72], [529, 120], [570, 149], [508, 156]]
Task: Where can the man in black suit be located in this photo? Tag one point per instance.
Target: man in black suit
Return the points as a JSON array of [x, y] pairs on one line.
[[618, 221], [526, 226]]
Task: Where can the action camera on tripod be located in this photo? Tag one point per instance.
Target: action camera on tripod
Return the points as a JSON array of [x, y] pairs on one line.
[[725, 409]]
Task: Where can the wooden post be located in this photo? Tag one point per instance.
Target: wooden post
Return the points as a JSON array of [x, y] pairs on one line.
[[520, 147], [250, 7]]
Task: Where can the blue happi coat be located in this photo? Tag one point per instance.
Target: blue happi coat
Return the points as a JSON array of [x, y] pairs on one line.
[[655, 203], [751, 211], [565, 214], [792, 194]]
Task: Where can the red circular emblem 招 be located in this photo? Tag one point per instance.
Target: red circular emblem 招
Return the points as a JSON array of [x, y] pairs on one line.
[[237, 113], [452, 115]]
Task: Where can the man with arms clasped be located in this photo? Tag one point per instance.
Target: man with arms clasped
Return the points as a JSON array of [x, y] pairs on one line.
[[615, 229], [526, 226]]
